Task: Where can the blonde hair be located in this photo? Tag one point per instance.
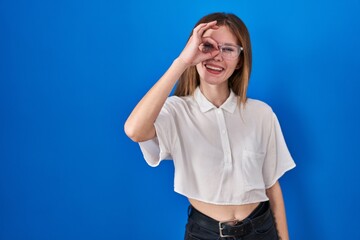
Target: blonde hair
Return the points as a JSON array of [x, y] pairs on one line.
[[239, 80]]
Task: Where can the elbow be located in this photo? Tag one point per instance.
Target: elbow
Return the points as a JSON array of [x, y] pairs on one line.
[[135, 133], [131, 132]]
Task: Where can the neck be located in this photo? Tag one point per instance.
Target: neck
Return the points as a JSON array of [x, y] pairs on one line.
[[216, 94]]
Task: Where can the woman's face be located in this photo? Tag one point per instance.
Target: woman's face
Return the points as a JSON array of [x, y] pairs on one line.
[[217, 70]]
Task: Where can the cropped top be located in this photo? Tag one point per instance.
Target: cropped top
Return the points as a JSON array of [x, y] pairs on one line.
[[227, 155]]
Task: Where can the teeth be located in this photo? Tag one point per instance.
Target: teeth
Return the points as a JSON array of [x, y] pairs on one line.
[[214, 68]]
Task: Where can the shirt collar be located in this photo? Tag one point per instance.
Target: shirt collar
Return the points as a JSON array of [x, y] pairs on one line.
[[205, 105]]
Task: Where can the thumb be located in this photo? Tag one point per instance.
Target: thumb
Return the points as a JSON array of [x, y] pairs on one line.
[[208, 55], [212, 54]]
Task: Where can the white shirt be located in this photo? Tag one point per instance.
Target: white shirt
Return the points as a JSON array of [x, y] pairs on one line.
[[228, 155]]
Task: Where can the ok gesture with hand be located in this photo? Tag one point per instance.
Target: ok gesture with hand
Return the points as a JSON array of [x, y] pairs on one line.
[[192, 54]]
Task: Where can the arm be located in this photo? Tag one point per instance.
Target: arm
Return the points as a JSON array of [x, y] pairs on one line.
[[140, 124], [278, 208]]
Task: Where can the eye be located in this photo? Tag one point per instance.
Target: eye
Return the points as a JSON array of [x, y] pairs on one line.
[[228, 49], [207, 47]]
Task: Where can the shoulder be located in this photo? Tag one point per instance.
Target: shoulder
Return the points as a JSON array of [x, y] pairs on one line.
[[176, 103], [258, 110], [175, 100], [257, 106], [259, 113]]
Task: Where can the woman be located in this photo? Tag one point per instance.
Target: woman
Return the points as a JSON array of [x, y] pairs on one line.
[[228, 150]]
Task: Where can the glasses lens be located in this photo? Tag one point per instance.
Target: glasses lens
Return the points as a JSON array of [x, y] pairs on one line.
[[230, 52], [227, 51], [207, 47]]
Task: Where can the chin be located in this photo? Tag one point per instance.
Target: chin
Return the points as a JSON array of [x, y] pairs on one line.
[[214, 82]]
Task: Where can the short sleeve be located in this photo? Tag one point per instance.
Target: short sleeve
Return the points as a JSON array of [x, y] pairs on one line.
[[160, 147], [277, 159]]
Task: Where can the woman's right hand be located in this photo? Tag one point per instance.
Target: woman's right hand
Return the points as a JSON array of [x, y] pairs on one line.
[[192, 54], [140, 124]]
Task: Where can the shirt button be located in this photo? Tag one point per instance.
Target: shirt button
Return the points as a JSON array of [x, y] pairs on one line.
[[223, 132], [218, 111]]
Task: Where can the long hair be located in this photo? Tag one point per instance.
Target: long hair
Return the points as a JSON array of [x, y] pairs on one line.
[[239, 80]]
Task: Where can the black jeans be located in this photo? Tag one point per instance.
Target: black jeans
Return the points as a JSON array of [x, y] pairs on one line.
[[258, 225]]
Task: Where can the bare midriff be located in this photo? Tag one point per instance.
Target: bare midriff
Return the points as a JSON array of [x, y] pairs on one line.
[[224, 212]]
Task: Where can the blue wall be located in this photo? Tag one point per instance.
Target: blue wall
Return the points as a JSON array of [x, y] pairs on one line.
[[71, 71]]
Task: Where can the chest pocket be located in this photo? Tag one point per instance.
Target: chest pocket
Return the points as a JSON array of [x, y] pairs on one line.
[[252, 169]]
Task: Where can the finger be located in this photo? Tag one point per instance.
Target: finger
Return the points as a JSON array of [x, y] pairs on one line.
[[209, 55], [210, 41], [214, 53], [204, 26], [210, 25], [198, 27], [202, 31]]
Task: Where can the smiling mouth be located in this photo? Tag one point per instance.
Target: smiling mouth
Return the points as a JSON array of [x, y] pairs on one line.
[[213, 68]]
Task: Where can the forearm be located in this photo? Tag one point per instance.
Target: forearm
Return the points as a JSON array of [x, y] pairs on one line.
[[278, 208], [140, 124]]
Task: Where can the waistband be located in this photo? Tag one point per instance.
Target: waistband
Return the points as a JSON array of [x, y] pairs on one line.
[[233, 228]]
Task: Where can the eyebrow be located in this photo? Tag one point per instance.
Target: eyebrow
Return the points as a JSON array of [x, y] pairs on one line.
[[229, 44]]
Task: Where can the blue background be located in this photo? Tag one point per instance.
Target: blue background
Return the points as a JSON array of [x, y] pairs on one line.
[[71, 72]]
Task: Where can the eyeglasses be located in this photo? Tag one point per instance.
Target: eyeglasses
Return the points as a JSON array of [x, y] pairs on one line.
[[227, 51]]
